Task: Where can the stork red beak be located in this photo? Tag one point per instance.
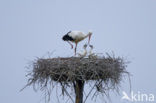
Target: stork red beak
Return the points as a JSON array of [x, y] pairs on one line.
[[89, 38]]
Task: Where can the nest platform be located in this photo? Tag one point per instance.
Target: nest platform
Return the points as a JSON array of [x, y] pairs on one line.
[[106, 72], [74, 68]]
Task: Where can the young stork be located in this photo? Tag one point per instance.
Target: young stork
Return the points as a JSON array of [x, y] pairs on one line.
[[83, 54], [91, 49], [76, 37]]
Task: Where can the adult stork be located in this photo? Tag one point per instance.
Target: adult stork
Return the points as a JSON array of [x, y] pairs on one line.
[[76, 37]]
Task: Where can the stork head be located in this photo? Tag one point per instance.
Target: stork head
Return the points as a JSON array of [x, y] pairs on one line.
[[90, 33], [85, 46], [91, 46]]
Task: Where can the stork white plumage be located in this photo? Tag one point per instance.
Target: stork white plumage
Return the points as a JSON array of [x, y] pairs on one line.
[[76, 37], [83, 54], [91, 48]]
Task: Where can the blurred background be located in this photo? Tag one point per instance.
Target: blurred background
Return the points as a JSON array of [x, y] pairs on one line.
[[31, 28]]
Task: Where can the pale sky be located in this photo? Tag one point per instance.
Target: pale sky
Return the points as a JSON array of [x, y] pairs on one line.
[[31, 28]]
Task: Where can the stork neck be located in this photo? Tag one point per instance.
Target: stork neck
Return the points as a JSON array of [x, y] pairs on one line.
[[87, 35]]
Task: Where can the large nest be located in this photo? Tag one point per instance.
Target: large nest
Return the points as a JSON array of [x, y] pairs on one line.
[[74, 68], [105, 71]]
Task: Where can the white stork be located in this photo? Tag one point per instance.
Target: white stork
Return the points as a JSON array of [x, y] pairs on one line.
[[91, 49], [76, 37], [83, 54]]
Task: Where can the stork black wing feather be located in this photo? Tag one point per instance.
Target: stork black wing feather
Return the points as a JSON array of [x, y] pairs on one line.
[[67, 37]]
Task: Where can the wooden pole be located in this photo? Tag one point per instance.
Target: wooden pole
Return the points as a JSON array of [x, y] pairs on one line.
[[79, 86]]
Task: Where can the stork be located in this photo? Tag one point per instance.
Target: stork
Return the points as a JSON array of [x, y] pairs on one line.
[[91, 48], [83, 54], [91, 54], [76, 37]]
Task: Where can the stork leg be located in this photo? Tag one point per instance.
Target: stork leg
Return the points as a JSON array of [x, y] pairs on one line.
[[70, 44], [75, 48]]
